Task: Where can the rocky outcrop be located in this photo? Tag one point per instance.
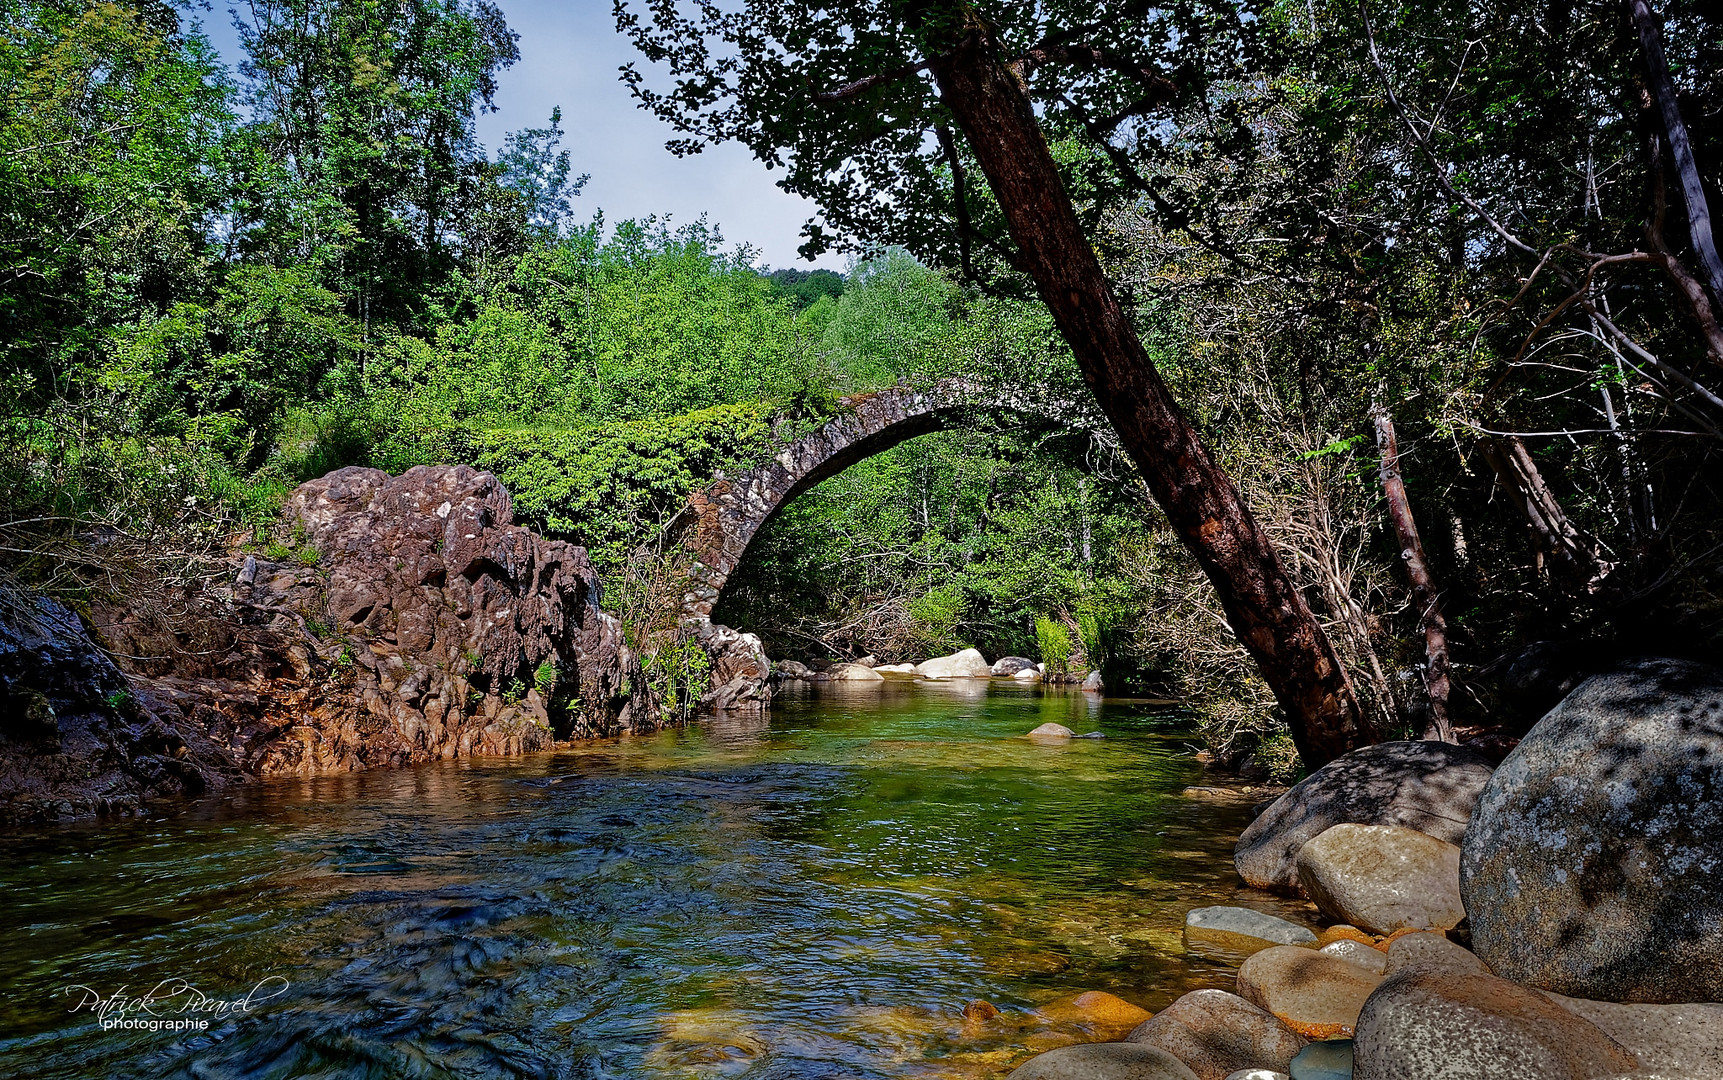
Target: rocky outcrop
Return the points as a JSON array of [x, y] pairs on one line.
[[474, 634], [1592, 865], [741, 672], [1428, 786], [76, 738], [405, 619], [1007, 666]]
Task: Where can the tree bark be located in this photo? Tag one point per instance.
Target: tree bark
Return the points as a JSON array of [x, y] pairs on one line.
[[1424, 592], [1680, 146], [1263, 606]]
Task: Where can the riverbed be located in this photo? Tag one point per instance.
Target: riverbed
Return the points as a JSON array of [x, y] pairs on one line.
[[814, 893]]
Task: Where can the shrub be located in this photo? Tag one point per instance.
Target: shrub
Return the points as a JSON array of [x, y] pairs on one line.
[[1054, 642]]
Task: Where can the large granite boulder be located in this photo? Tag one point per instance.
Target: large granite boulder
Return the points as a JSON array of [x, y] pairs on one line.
[[1007, 666], [1428, 786], [1593, 863], [1425, 1023], [1673, 1040], [1383, 878], [967, 664], [853, 673]]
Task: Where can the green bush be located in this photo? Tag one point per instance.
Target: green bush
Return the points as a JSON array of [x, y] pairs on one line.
[[611, 488], [1054, 642], [937, 614]]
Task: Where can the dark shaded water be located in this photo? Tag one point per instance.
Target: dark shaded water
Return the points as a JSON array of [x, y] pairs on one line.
[[817, 896]]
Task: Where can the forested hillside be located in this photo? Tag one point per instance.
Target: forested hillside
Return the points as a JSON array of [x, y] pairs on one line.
[[218, 283]]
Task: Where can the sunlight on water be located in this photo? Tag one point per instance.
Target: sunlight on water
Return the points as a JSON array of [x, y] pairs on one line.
[[817, 895]]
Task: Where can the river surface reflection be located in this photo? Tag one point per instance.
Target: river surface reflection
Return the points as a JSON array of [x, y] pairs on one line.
[[813, 895]]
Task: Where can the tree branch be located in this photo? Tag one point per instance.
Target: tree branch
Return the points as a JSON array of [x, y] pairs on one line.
[[1089, 56], [862, 86], [1423, 144]]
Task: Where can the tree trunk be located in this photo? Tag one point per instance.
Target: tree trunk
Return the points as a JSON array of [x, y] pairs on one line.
[[1263, 606], [1575, 555], [1424, 592], [1680, 146]]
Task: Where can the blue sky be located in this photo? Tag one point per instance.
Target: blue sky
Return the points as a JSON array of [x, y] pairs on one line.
[[570, 53]]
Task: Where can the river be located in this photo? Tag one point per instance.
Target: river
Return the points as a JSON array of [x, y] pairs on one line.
[[816, 894]]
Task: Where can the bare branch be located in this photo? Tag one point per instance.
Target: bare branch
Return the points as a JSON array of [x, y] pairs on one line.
[[862, 86]]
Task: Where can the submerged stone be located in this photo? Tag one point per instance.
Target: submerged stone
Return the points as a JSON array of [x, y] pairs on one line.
[[1242, 930], [1331, 1060]]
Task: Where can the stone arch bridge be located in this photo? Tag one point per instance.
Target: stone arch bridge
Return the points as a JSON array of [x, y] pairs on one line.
[[714, 529]]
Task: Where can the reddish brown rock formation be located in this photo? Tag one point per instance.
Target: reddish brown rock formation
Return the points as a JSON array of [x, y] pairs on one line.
[[429, 626]]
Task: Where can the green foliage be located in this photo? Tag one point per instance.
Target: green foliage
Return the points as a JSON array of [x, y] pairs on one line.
[[544, 678], [678, 672], [1053, 645], [937, 614], [805, 288], [610, 488]]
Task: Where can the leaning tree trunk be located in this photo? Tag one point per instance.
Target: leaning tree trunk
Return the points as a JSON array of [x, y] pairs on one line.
[[1424, 592], [1680, 146], [1577, 560], [1263, 606]]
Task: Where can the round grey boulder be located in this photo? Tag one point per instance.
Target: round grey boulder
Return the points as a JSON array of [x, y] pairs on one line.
[[1383, 878], [1428, 1024], [1216, 1034], [1428, 786], [1103, 1061], [1593, 863], [1007, 666]]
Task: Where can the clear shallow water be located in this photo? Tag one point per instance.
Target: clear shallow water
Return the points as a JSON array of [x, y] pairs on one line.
[[813, 895]]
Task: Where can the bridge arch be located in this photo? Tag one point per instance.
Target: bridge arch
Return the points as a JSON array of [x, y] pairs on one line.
[[720, 520]]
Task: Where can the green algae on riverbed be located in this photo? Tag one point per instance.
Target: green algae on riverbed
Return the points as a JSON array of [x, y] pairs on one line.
[[814, 894]]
